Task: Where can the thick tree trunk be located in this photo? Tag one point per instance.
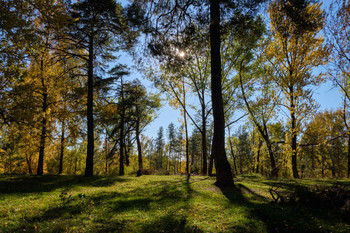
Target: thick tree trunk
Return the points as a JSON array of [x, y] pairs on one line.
[[222, 166], [294, 134], [60, 166], [40, 168], [89, 169], [139, 149]]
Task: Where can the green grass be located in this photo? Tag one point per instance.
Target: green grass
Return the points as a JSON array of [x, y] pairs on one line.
[[157, 204]]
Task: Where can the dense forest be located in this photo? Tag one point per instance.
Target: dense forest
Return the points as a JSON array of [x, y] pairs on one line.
[[242, 73]]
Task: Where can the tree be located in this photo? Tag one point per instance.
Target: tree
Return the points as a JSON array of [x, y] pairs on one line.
[[172, 143], [100, 27], [323, 145], [159, 144], [171, 17], [294, 50], [338, 34], [144, 106]]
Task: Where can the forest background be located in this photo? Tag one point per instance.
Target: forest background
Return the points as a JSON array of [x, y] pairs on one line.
[[70, 102]]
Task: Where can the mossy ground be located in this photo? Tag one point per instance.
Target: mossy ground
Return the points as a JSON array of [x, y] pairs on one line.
[[157, 204]]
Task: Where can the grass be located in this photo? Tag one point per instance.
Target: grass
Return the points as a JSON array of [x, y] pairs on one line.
[[157, 204]]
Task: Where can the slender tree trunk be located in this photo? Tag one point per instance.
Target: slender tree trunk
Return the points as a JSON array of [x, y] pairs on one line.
[[204, 143], [186, 131], [121, 135], [232, 154], [75, 166], [349, 156], [40, 169], [60, 166], [121, 150], [294, 134], [89, 169], [139, 149], [322, 167], [106, 156], [29, 161], [222, 166], [312, 160], [127, 150], [258, 156], [211, 164], [240, 162], [186, 148]]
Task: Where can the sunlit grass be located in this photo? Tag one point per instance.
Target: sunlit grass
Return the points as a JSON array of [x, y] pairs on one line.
[[155, 204]]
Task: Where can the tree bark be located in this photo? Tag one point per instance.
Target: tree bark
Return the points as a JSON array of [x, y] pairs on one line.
[[258, 156], [222, 166], [232, 154], [89, 169], [211, 164], [60, 166], [40, 168], [349, 156], [204, 143], [139, 149], [121, 134], [186, 130], [294, 134], [29, 161]]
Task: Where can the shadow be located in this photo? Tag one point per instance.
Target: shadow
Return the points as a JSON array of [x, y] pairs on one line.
[[245, 189], [170, 223], [278, 217], [48, 183]]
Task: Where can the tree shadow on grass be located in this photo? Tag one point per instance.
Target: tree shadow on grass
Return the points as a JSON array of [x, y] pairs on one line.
[[110, 207], [48, 183], [170, 223], [278, 217]]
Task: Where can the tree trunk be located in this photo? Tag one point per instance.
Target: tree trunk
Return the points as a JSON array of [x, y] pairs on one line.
[[121, 134], [232, 154], [258, 156], [274, 169], [294, 134], [127, 150], [204, 143], [211, 164], [186, 131], [60, 166], [186, 148], [106, 156], [139, 149], [222, 166], [89, 169], [40, 169], [29, 161], [349, 156]]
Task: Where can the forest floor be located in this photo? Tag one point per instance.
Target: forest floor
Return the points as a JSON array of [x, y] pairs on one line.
[[165, 204]]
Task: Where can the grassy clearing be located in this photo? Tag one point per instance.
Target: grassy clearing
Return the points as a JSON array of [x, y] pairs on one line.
[[157, 204]]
